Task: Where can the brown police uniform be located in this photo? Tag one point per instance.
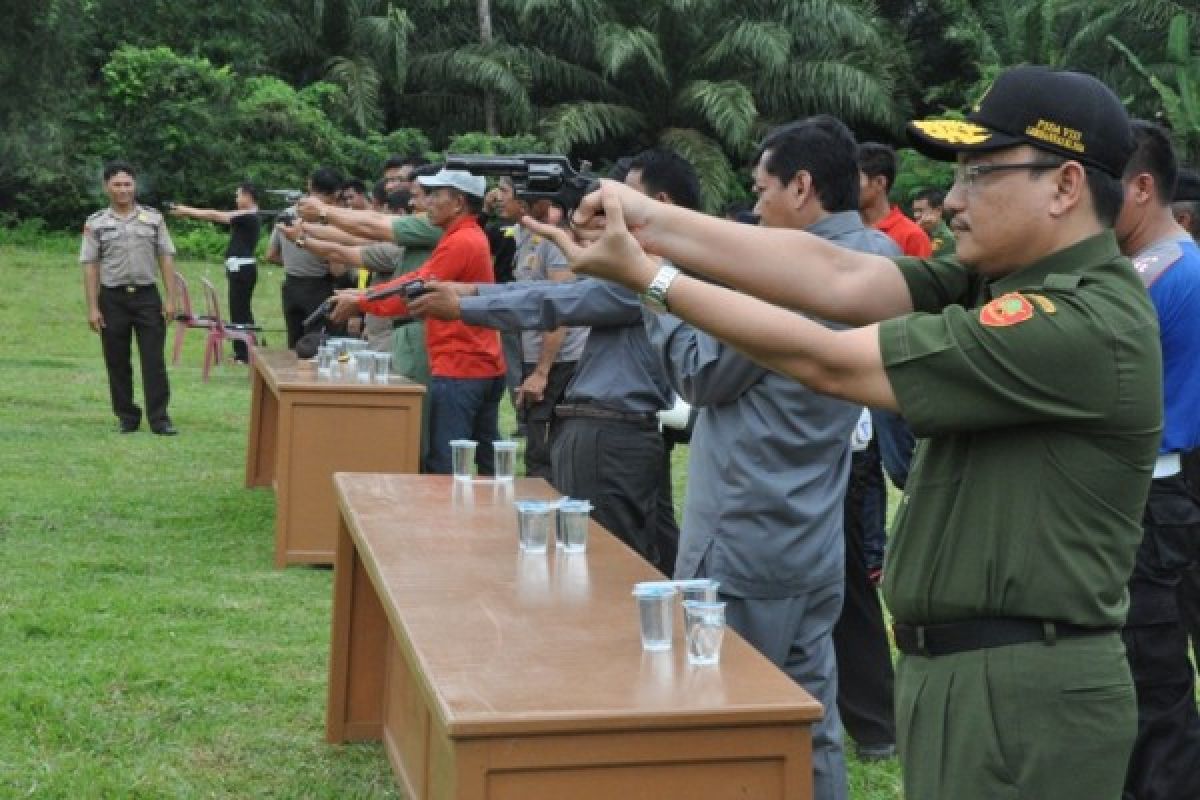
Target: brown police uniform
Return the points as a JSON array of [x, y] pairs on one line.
[[126, 250]]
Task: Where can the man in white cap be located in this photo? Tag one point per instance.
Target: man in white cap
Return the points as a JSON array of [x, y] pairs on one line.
[[466, 361]]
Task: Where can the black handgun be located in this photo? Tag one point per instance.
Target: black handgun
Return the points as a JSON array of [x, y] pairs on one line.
[[411, 291], [286, 217], [534, 176]]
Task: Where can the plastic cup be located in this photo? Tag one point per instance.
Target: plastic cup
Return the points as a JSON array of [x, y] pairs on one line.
[[505, 455], [364, 366], [534, 521], [701, 590], [462, 458], [705, 624], [573, 525], [383, 365], [325, 357], [655, 613]]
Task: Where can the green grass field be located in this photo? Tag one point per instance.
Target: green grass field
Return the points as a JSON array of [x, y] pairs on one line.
[[148, 648]]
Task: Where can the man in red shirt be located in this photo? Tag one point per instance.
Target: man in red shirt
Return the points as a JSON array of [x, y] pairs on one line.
[[876, 174], [465, 361]]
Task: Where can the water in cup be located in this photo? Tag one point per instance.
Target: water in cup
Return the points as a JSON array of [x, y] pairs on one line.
[[462, 458], [364, 365], [705, 622], [383, 363], [656, 605], [535, 519], [325, 357], [505, 455], [573, 525]]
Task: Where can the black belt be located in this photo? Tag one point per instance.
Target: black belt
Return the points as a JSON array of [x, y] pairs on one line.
[[130, 288], [308, 278], [646, 420], [979, 634]]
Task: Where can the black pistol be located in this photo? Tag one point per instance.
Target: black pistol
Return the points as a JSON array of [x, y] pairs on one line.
[[534, 176]]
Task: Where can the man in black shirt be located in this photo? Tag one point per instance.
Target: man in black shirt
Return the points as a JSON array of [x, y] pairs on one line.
[[241, 269]]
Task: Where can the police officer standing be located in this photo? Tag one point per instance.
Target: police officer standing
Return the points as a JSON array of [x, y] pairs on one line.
[[124, 246]]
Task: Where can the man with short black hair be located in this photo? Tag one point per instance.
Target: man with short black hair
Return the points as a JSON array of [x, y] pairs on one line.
[[928, 213], [241, 269], [124, 246], [1185, 203], [1165, 764], [877, 175], [1031, 369], [354, 195], [307, 280]]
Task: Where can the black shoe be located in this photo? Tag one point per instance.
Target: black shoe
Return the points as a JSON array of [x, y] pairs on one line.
[[876, 752], [166, 429], [128, 427]]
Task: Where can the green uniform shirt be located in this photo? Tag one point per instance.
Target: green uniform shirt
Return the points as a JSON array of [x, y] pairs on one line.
[[942, 240], [418, 236], [1042, 411]]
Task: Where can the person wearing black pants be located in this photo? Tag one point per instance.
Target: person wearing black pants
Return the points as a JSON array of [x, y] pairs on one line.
[[308, 280], [241, 271], [865, 673], [125, 247]]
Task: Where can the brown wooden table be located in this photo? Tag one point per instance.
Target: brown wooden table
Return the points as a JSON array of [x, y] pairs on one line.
[[303, 429], [494, 674]]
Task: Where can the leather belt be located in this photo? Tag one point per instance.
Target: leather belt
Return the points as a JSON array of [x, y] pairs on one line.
[[979, 634], [130, 288], [646, 420]]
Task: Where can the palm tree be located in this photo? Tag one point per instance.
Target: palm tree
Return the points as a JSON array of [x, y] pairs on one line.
[[706, 78], [360, 45]]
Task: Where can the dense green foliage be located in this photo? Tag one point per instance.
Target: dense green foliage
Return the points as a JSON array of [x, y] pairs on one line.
[[200, 96]]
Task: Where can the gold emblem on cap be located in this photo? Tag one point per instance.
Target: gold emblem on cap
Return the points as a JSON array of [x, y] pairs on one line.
[[953, 131]]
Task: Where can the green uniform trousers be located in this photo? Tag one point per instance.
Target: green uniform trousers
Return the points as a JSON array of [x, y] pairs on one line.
[[1029, 721]]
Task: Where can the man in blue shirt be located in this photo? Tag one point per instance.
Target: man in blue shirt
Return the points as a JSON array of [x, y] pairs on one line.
[[1166, 754]]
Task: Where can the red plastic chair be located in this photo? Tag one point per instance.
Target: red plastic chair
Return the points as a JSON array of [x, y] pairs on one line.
[[185, 318], [222, 331]]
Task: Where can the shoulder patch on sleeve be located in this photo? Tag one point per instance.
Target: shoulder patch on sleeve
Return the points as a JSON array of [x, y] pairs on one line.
[[1006, 310]]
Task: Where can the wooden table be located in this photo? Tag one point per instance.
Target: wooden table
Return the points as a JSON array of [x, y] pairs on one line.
[[303, 429], [494, 674]]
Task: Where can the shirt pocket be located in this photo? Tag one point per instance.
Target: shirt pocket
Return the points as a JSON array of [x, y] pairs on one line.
[[143, 231]]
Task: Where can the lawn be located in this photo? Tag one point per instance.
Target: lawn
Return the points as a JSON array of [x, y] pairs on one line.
[[150, 649]]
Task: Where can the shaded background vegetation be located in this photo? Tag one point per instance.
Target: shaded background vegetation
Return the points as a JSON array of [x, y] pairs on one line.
[[202, 95]]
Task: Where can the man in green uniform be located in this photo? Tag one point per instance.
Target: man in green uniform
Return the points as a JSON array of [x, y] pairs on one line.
[[1030, 367], [929, 212], [125, 247]]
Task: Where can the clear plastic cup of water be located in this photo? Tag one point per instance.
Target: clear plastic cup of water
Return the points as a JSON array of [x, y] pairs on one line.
[[656, 606], [462, 458], [572, 534], [364, 366], [705, 624], [383, 365], [505, 459], [702, 590], [325, 357], [535, 519]]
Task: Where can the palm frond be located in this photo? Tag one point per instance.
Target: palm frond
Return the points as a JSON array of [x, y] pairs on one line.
[[619, 48], [570, 125], [359, 79], [750, 43], [726, 106], [475, 69]]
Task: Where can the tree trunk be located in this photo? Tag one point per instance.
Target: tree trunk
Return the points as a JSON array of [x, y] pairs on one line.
[[485, 36]]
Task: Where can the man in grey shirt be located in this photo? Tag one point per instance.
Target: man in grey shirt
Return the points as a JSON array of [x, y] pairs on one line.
[[769, 457], [307, 281], [607, 447]]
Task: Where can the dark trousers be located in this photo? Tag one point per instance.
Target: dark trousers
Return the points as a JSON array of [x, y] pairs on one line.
[[1165, 763], [463, 408], [127, 314], [301, 296], [1189, 581], [865, 675], [538, 418], [618, 467], [241, 290]]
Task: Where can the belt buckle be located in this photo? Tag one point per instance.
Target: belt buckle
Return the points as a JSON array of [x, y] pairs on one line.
[[130, 289]]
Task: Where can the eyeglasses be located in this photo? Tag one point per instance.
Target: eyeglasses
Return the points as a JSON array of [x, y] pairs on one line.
[[968, 175]]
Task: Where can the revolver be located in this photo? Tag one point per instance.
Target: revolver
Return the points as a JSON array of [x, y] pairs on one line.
[[534, 176]]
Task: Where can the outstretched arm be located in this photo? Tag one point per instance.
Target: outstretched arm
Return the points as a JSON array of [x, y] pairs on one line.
[[206, 214], [785, 267]]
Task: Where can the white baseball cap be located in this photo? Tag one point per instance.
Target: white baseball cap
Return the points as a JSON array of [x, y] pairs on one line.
[[465, 182]]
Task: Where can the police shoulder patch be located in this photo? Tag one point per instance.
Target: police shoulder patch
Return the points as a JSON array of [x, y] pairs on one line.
[[1006, 310]]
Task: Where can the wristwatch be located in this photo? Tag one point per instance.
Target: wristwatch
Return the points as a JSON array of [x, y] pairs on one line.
[[655, 295], [300, 241]]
